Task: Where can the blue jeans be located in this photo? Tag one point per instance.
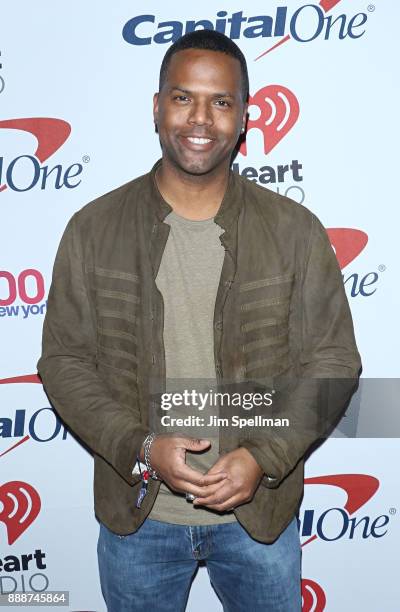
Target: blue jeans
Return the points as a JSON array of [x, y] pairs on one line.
[[152, 569]]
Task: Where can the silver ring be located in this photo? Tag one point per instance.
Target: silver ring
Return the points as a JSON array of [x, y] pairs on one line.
[[190, 497]]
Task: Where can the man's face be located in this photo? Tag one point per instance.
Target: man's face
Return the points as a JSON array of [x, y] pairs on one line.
[[200, 111]]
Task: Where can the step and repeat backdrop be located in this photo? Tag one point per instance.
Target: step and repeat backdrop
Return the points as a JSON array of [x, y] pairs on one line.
[[76, 87]]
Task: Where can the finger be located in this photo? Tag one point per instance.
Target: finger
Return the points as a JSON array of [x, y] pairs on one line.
[[204, 491], [219, 465], [194, 477], [220, 495], [187, 486], [194, 444], [228, 504]]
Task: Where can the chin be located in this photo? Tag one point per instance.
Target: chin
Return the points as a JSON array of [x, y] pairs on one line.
[[197, 170], [198, 167], [192, 167]]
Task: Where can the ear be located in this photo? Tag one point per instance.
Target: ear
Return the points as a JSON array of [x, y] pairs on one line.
[[245, 116], [155, 108]]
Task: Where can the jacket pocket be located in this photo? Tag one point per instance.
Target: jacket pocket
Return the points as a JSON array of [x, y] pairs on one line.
[[264, 317]]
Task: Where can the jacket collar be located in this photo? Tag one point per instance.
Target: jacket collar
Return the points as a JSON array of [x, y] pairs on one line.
[[228, 211]]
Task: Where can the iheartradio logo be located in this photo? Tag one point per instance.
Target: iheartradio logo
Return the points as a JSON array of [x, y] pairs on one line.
[[278, 112], [312, 596], [20, 504]]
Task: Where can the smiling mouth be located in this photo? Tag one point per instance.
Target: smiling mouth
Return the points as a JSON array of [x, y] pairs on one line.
[[198, 141]]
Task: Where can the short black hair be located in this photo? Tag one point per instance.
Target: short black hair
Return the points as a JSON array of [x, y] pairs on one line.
[[210, 40]]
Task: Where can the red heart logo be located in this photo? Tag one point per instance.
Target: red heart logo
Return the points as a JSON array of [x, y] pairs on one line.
[[279, 111], [21, 505]]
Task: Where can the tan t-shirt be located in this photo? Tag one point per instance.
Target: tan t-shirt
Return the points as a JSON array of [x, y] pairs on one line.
[[188, 280]]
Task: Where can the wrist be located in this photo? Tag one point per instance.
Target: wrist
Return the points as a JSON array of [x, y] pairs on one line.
[[147, 447], [250, 457]]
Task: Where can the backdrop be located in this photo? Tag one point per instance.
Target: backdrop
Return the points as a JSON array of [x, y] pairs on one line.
[[76, 86]]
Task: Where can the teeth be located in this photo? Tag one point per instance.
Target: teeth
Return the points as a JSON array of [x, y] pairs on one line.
[[199, 140]]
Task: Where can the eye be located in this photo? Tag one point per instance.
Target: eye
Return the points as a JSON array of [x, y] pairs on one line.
[[181, 98], [222, 103]]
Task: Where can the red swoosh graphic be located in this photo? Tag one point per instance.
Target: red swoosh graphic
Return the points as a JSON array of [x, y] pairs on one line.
[[347, 242], [27, 378], [326, 5], [359, 488], [50, 134], [24, 439]]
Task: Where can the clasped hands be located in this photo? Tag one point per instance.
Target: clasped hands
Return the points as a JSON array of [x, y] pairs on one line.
[[231, 481]]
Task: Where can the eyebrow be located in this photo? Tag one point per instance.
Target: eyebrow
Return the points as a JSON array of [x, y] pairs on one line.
[[223, 94]]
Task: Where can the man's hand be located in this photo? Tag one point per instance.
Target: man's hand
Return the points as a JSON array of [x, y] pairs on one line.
[[168, 454], [243, 477]]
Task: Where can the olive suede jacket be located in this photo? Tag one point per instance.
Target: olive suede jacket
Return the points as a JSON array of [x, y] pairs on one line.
[[281, 315]]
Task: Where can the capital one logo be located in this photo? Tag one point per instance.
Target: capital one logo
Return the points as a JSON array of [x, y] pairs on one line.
[[341, 522], [278, 110], [313, 596], [29, 170], [306, 23], [19, 506]]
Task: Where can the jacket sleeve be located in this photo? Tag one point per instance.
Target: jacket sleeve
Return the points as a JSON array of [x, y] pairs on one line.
[[68, 369], [328, 366]]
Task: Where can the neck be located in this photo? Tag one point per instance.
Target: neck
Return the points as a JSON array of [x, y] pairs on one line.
[[194, 197]]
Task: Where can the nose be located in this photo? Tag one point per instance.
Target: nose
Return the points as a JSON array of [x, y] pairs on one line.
[[200, 113]]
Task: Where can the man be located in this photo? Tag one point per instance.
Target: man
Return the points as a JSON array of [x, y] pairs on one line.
[[187, 273]]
